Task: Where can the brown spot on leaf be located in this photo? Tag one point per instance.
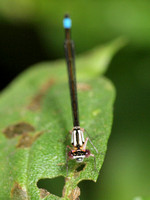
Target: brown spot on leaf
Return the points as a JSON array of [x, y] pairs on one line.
[[83, 87], [18, 193], [60, 164], [75, 193], [43, 193], [37, 135], [27, 140], [18, 129], [35, 103]]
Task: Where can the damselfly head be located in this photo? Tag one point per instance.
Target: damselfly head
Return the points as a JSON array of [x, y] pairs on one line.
[[79, 155]]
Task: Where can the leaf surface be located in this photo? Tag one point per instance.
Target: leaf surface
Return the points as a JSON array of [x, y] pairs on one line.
[[36, 117]]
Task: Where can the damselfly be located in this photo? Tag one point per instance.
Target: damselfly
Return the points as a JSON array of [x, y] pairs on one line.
[[78, 150]]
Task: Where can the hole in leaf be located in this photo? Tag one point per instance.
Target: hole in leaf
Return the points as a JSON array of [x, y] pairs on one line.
[[53, 186], [87, 187], [80, 167]]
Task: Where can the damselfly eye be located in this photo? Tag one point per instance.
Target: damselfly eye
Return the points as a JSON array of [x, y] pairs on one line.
[[87, 153], [70, 154]]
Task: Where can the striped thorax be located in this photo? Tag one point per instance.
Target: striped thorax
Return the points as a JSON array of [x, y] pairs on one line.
[[77, 137]]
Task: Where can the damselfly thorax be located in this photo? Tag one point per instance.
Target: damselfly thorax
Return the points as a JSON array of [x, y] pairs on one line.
[[77, 137]]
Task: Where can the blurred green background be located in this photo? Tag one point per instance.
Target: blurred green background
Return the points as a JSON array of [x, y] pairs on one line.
[[31, 31]]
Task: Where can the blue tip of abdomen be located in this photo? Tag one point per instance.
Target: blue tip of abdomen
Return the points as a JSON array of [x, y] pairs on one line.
[[67, 22]]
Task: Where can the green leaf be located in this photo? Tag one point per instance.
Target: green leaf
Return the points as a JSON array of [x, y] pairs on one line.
[[141, 198], [36, 117]]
